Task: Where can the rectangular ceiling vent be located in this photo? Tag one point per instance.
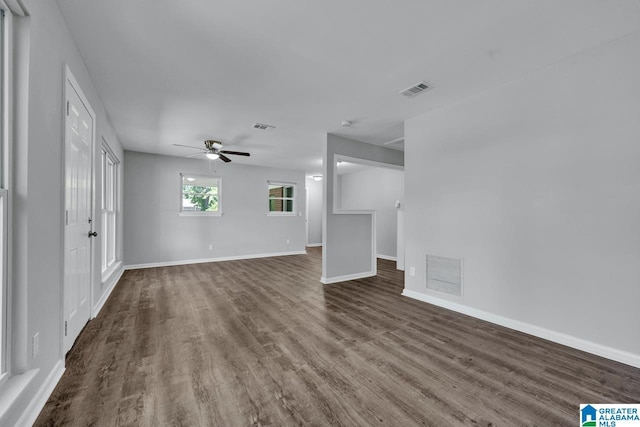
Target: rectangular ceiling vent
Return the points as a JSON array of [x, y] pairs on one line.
[[261, 126], [444, 275], [414, 90]]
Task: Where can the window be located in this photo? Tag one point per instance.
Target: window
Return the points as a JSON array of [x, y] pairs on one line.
[[109, 207], [282, 198], [200, 195], [4, 191], [3, 273]]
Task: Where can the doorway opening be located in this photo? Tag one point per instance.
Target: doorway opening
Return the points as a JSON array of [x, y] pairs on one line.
[[378, 187]]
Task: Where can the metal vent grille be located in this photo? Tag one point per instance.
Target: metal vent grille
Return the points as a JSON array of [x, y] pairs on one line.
[[262, 126], [414, 90], [444, 275]]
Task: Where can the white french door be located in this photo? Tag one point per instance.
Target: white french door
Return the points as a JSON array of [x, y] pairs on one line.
[[78, 211]]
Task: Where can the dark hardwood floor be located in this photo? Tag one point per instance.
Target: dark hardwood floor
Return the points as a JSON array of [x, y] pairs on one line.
[[262, 342]]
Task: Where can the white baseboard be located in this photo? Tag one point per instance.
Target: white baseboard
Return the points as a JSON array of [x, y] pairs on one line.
[[110, 285], [387, 257], [38, 401], [330, 280], [200, 261], [313, 245], [527, 328]]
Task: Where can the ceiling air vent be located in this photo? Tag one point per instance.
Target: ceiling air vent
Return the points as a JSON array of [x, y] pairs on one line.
[[414, 90], [261, 126]]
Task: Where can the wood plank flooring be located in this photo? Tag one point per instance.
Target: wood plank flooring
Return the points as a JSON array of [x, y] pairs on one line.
[[263, 343]]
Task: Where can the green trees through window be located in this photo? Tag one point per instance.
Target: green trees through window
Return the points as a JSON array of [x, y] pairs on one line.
[[203, 199], [200, 194]]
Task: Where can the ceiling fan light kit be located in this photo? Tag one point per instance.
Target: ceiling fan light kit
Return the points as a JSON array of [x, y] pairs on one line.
[[213, 151]]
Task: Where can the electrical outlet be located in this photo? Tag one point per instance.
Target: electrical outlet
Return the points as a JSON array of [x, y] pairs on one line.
[[35, 344], [211, 246], [412, 271]]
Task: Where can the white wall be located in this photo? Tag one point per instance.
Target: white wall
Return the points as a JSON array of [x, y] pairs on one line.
[[156, 233], [348, 237], [314, 224], [536, 185], [376, 189], [45, 46]]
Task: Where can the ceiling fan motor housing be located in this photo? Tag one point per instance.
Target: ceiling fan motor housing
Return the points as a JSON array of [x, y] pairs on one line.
[[212, 144]]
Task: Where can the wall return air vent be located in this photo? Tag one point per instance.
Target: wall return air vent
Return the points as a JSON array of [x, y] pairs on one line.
[[414, 90], [262, 126], [444, 275]]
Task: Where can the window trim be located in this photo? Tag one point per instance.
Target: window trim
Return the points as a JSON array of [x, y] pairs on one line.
[[4, 289], [5, 195], [107, 154], [14, 352], [294, 211], [12, 335], [219, 212]]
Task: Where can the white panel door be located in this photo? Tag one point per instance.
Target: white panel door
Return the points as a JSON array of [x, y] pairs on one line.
[[78, 205]]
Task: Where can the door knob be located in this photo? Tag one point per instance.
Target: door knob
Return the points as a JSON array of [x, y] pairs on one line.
[[94, 234]]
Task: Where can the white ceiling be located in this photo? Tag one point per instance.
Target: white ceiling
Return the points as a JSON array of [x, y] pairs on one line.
[[184, 71]]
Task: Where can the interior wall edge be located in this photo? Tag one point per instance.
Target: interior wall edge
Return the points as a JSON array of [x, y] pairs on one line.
[[346, 278]]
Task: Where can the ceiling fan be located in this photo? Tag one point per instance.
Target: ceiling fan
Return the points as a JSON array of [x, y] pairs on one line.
[[213, 150]]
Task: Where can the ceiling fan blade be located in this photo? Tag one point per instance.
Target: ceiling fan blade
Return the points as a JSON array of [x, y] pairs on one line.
[[237, 153], [224, 158], [189, 146], [194, 155]]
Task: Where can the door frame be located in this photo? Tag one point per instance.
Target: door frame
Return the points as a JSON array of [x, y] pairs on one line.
[[306, 213], [70, 78]]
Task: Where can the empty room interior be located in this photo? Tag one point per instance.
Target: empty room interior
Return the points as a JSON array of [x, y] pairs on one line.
[[349, 213]]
